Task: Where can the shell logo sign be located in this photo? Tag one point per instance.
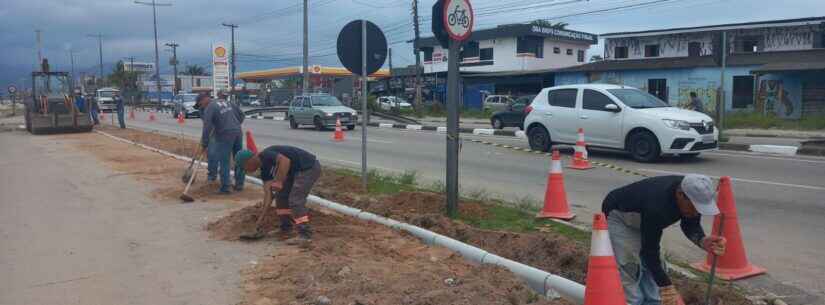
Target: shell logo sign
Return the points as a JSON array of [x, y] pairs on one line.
[[316, 69], [220, 52]]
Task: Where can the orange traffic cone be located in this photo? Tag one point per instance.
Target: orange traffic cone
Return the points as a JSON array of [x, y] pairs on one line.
[[181, 119], [131, 114], [555, 198], [580, 160], [603, 285], [339, 134], [250, 143], [734, 264], [152, 116]]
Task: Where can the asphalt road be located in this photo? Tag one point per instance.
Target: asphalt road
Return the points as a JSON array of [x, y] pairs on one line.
[[780, 199]]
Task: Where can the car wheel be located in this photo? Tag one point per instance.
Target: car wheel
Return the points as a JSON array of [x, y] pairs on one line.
[[497, 124], [350, 127], [644, 147], [292, 123], [319, 125], [539, 139]]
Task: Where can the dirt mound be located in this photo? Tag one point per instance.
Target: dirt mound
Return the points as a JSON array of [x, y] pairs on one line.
[[354, 262]]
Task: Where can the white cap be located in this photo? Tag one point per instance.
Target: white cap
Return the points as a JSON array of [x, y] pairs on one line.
[[701, 192]]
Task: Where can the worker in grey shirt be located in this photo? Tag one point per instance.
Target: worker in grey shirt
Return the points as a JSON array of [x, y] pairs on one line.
[[696, 103], [223, 121]]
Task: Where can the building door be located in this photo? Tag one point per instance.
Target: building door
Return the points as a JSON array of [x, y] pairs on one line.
[[658, 87], [742, 91], [813, 98]]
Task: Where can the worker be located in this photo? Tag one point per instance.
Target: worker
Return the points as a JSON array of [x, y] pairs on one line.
[[238, 144], [79, 101], [94, 109], [221, 125], [696, 103], [638, 213], [120, 110], [288, 172]]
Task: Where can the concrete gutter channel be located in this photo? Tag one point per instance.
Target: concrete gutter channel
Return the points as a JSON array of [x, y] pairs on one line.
[[547, 284]]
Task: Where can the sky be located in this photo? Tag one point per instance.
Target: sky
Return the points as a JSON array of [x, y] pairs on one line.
[[269, 32]]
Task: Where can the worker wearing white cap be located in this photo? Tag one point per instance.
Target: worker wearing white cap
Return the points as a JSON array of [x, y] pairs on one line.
[[638, 213]]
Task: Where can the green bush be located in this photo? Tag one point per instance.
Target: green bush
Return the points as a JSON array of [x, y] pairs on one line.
[[757, 120]]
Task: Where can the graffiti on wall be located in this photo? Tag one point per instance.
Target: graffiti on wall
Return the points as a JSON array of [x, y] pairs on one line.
[[705, 90], [779, 97], [669, 45], [778, 39]]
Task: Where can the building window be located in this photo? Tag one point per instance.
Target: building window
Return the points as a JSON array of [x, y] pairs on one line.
[[652, 50], [742, 91], [428, 54], [620, 52], [470, 50], [569, 51], [580, 56], [695, 49], [556, 50], [750, 44], [821, 43], [486, 54], [530, 44]]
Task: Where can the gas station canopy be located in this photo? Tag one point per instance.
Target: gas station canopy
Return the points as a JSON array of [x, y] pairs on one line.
[[265, 75]]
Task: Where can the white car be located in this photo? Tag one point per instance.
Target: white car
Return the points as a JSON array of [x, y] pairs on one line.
[[495, 103], [617, 117], [390, 102]]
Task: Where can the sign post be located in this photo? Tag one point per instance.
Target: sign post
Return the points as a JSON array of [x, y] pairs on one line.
[[13, 95], [457, 22]]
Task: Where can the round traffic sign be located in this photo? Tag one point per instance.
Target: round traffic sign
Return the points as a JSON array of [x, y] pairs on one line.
[[458, 19], [349, 47], [12, 89]]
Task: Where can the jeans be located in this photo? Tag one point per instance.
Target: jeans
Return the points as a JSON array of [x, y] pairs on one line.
[[95, 116], [120, 118], [240, 176], [637, 281], [220, 152]]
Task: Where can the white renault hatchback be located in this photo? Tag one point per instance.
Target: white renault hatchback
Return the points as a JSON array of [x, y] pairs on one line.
[[617, 117]]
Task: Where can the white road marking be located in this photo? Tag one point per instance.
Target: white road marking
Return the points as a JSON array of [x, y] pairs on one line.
[[758, 156], [378, 141], [810, 187]]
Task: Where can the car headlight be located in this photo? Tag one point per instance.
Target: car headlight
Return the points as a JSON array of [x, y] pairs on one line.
[[354, 113], [676, 124], [328, 114]]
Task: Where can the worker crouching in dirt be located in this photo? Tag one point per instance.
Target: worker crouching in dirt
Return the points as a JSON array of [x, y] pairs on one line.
[[288, 174], [636, 216]]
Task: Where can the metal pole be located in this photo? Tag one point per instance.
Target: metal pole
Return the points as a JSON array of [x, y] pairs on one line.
[[364, 109], [452, 131], [232, 60], [100, 51], [720, 106], [174, 47], [157, 57], [417, 57], [305, 82], [39, 49], [389, 85], [71, 58]]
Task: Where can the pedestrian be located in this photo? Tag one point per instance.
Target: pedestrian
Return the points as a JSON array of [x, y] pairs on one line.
[[221, 125], [696, 103], [638, 213], [288, 174], [79, 101], [120, 110], [95, 109]]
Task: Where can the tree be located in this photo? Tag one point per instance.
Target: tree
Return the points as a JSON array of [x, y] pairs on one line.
[[549, 24], [595, 58], [124, 80], [194, 70]]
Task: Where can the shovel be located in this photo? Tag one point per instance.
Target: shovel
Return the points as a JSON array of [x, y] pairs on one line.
[[713, 262], [187, 174], [185, 196]]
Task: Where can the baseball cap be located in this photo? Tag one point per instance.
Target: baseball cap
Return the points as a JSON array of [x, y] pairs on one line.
[[701, 192], [241, 157]]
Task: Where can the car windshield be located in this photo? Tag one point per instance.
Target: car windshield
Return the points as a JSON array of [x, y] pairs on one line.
[[637, 99], [525, 99], [106, 93], [189, 98], [325, 100]]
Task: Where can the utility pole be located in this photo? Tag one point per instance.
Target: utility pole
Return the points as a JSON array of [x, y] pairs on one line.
[[71, 60], [39, 49], [417, 57], [100, 51], [389, 50], [232, 28], [155, 22], [720, 105], [305, 83], [174, 63]]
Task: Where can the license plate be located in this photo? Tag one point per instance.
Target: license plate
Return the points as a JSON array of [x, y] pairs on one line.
[[708, 138]]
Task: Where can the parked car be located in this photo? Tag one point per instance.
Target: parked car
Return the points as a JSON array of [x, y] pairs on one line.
[[185, 103], [390, 102], [495, 103], [321, 111], [512, 115], [105, 101], [255, 103], [617, 117]]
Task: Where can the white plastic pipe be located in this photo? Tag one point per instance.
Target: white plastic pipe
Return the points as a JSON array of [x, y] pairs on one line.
[[549, 285]]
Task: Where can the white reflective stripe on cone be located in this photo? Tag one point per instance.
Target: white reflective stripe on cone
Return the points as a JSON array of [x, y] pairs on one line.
[[555, 167], [600, 243]]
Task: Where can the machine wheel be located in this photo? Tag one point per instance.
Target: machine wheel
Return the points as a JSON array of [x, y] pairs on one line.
[[539, 139], [292, 123], [319, 125], [497, 123], [644, 147]]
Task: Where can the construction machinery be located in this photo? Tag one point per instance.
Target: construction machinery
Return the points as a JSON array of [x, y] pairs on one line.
[[52, 108]]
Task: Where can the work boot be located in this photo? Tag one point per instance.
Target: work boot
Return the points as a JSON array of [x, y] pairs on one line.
[[304, 237], [286, 227]]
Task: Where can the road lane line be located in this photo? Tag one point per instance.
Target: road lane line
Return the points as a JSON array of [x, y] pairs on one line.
[[755, 156], [810, 187]]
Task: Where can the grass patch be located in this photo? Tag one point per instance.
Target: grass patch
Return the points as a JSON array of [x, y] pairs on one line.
[[757, 120], [382, 184], [514, 219]]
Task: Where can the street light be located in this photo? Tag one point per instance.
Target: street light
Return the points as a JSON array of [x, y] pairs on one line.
[[155, 23]]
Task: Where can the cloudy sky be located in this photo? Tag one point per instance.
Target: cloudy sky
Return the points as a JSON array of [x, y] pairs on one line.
[[269, 30]]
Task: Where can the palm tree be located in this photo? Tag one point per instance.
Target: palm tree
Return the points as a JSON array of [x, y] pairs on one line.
[[194, 70], [549, 24]]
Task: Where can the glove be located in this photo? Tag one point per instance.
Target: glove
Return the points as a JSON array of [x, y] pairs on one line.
[[715, 244], [276, 186], [669, 295]]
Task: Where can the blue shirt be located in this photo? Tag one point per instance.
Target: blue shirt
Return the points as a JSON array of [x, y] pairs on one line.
[[80, 103]]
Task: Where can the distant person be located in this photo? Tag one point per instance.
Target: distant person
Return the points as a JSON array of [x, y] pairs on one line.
[[637, 215], [94, 110], [79, 101], [223, 122], [120, 110], [696, 103], [288, 173], [238, 145], [211, 167]]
